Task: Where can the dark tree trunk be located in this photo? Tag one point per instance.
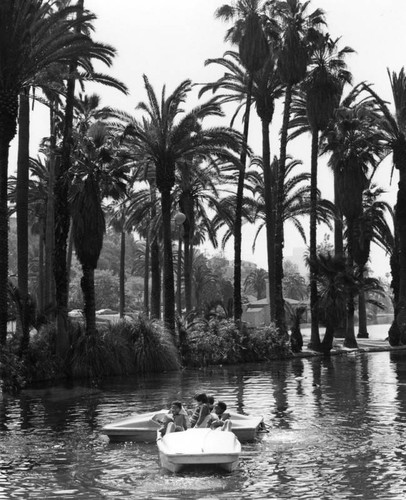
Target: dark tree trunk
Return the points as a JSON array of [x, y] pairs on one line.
[[8, 118], [269, 215], [89, 299], [314, 306], [49, 280], [279, 230], [338, 222], [146, 276], [122, 275], [168, 278], [401, 227], [362, 316], [62, 214], [22, 215], [179, 276], [155, 280], [238, 208], [350, 340]]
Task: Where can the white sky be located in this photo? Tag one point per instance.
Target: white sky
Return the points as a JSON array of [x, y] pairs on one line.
[[169, 40]]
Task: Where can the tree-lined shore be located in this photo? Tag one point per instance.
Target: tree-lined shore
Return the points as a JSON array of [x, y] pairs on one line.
[[167, 180]]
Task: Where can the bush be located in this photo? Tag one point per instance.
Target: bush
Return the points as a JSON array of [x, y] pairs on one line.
[[216, 342], [264, 344], [212, 342], [154, 348]]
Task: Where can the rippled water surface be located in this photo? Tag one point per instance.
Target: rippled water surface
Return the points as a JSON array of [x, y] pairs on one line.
[[336, 431]]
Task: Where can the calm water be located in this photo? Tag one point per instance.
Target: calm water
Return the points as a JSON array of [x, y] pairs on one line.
[[337, 430]]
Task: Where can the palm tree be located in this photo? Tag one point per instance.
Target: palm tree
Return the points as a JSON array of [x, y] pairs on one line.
[[248, 33], [32, 37], [293, 52], [355, 141], [296, 197], [372, 226], [256, 282], [266, 88], [167, 139], [322, 90], [97, 174], [393, 126], [199, 188]]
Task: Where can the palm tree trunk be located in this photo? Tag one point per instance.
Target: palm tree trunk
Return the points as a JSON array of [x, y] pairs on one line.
[[401, 227], [8, 117], [155, 280], [89, 299], [62, 215], [279, 230], [238, 208], [41, 245], [338, 222], [22, 214], [146, 276], [315, 336], [269, 215], [179, 275], [350, 340], [49, 282], [362, 316], [169, 284], [122, 275]]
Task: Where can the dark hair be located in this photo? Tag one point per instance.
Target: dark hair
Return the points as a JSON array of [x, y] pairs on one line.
[[210, 400], [177, 403], [201, 398], [222, 406]]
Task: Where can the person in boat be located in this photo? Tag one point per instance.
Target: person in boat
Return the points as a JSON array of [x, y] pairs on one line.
[[177, 419], [210, 402], [223, 418], [201, 415]]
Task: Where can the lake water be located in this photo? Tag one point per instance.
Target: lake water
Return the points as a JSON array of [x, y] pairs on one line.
[[337, 430]]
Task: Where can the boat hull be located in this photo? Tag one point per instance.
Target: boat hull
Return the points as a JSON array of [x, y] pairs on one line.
[[199, 447], [142, 428]]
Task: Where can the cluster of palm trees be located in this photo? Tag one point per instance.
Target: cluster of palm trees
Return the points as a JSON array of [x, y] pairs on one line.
[[167, 159]]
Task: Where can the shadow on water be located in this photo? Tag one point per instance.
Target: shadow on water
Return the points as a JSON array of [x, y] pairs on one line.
[[336, 430]]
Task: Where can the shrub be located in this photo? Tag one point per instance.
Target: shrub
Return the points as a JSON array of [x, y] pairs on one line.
[[154, 348], [212, 342], [264, 344]]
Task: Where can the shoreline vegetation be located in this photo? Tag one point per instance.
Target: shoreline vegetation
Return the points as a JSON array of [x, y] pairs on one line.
[[128, 347]]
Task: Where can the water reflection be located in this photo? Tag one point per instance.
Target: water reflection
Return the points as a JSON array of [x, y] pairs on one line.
[[336, 430]]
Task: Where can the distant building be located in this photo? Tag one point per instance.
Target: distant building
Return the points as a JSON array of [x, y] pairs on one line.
[[298, 257]]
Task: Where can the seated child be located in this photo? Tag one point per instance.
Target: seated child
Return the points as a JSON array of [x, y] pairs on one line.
[[201, 414], [223, 418], [178, 421]]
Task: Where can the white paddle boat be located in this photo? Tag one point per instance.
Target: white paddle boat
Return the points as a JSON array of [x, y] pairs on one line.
[[199, 447], [143, 427]]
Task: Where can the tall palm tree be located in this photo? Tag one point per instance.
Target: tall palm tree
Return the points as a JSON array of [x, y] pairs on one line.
[[32, 37], [322, 90], [297, 28], [166, 138], [248, 33], [97, 174], [199, 187], [393, 126], [266, 88], [296, 198], [355, 140], [372, 226]]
